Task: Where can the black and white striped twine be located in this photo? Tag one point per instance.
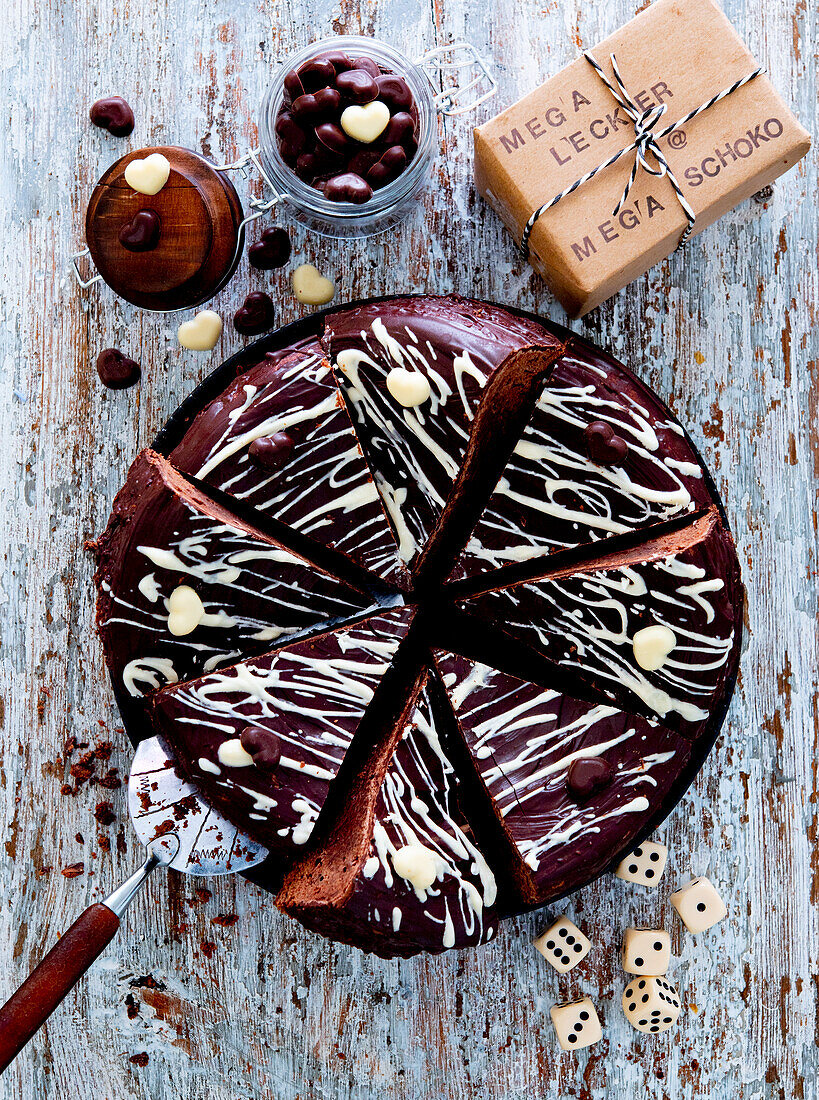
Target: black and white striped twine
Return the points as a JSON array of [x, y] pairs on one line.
[[645, 143]]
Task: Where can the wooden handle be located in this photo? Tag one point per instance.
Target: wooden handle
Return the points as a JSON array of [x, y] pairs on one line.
[[29, 1008]]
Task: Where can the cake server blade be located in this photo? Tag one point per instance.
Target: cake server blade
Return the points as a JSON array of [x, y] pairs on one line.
[[180, 829]]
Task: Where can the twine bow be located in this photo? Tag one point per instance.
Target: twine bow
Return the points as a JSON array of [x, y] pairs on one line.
[[645, 145]]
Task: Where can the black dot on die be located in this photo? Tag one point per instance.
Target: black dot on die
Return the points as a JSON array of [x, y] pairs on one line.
[[668, 1020], [656, 1012], [584, 1015], [638, 962], [570, 939], [578, 1027], [701, 907], [572, 1038], [641, 985], [642, 1023], [654, 1029], [638, 852], [578, 947], [658, 946], [649, 873], [632, 1006], [633, 869], [562, 932], [655, 857], [550, 944], [565, 959]]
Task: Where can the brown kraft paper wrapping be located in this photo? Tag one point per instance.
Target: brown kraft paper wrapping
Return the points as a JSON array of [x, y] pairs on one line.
[[678, 53]]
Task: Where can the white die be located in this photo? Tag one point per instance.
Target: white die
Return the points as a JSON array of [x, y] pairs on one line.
[[576, 1023], [651, 1004], [645, 865], [646, 951], [698, 904], [563, 945]]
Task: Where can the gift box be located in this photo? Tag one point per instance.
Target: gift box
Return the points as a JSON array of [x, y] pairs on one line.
[[618, 159]]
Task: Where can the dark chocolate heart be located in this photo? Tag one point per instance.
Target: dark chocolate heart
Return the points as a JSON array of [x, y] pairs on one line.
[[263, 745], [333, 137], [363, 160], [603, 445], [116, 371], [271, 250], [338, 59], [305, 107], [293, 87], [368, 65], [292, 138], [348, 187], [271, 451], [389, 167], [315, 74], [357, 86], [114, 115], [256, 315], [587, 776], [394, 91], [141, 233], [400, 129]]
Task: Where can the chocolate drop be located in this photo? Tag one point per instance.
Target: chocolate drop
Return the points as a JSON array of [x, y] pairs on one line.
[[256, 315], [603, 445], [271, 250], [114, 115], [269, 452], [263, 745], [141, 233], [587, 776], [116, 371]]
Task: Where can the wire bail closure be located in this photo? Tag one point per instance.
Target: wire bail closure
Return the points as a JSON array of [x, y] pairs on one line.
[[452, 59], [645, 144]]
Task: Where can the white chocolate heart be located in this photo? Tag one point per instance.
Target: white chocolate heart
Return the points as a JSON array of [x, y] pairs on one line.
[[365, 123], [311, 287], [233, 755], [652, 645], [150, 175], [417, 864], [408, 387], [202, 333], [185, 611]]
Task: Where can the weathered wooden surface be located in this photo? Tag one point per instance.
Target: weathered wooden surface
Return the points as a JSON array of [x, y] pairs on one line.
[[184, 1005]]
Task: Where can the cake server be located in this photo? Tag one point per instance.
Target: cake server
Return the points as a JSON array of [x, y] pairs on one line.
[[180, 830]]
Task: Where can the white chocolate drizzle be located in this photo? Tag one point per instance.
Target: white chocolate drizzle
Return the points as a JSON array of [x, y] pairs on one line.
[[325, 489], [552, 496], [312, 696], [524, 739]]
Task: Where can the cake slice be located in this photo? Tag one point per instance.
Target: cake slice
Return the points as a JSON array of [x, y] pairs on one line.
[[600, 456], [279, 439], [572, 784], [655, 628], [264, 739], [400, 872], [185, 587], [427, 380]]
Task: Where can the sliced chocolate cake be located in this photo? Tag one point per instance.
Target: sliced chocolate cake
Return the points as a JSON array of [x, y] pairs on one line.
[[600, 456], [571, 783], [421, 883], [654, 629], [185, 587], [280, 440], [416, 373], [264, 739]]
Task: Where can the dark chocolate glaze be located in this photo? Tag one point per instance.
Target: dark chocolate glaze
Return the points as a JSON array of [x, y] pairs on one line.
[[525, 740], [553, 495], [325, 489], [164, 533], [311, 696], [457, 345], [586, 620]]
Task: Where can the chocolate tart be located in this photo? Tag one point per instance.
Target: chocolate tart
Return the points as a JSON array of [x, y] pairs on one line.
[[419, 772]]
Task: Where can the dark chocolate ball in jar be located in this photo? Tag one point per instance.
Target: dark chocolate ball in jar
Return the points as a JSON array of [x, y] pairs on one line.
[[331, 134]]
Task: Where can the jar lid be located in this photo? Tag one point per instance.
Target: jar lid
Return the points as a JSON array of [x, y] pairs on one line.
[[200, 235]]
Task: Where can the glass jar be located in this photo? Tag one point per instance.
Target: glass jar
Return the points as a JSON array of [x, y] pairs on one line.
[[389, 205]]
